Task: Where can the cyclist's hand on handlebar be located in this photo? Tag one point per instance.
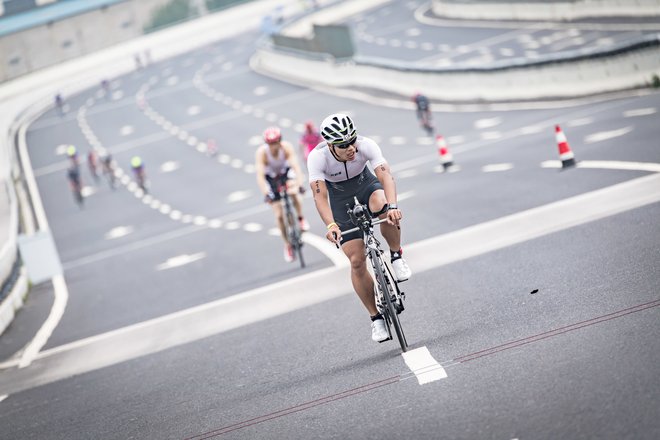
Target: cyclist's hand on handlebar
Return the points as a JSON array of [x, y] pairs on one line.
[[394, 216], [269, 198], [334, 235]]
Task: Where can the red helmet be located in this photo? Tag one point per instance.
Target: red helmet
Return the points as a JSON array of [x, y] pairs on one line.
[[272, 135]]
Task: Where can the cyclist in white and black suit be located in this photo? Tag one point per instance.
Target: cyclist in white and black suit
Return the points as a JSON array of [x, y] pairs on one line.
[[338, 172]]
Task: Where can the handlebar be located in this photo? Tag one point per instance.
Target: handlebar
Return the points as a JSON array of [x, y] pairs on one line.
[[372, 223]]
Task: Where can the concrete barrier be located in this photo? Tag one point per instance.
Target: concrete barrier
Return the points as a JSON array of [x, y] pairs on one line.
[[544, 11], [619, 68]]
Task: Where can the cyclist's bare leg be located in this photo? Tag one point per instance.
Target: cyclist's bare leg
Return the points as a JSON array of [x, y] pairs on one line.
[[297, 204], [278, 210], [360, 277], [391, 233]]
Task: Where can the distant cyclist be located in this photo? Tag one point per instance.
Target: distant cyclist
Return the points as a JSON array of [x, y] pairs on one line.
[[75, 183], [338, 173], [72, 154], [59, 103], [108, 167], [276, 160], [137, 165], [92, 163], [309, 139], [423, 111]]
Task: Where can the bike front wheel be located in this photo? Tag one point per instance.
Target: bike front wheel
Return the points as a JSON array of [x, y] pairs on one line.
[[295, 238], [391, 315]]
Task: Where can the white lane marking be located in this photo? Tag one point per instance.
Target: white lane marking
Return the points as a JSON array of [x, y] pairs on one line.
[[180, 260], [252, 227], [605, 135], [260, 91], [487, 123], [255, 140], [237, 196], [490, 135], [407, 173], [119, 231], [200, 220], [580, 122], [126, 130], [3, 397], [61, 149], [532, 129], [608, 165], [116, 96], [194, 110], [87, 191], [274, 232], [56, 312], [172, 80], [398, 140], [335, 255], [169, 166], [236, 163], [293, 294], [405, 195], [639, 112], [215, 223], [423, 365], [496, 167]]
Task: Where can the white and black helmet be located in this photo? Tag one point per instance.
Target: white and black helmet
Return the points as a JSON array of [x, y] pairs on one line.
[[338, 129]]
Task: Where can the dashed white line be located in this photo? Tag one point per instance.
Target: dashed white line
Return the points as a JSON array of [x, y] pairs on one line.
[[639, 112], [605, 135], [496, 167]]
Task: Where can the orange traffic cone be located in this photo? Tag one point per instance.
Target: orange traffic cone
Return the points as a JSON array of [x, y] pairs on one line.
[[446, 159], [565, 153]]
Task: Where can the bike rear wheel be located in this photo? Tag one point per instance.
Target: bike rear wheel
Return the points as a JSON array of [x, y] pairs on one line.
[[390, 309]]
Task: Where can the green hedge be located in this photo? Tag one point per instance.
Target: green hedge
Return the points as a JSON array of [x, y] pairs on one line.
[[213, 5], [177, 11], [173, 12]]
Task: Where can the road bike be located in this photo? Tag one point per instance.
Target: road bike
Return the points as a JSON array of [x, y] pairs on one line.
[[389, 298], [291, 224], [425, 121], [109, 171]]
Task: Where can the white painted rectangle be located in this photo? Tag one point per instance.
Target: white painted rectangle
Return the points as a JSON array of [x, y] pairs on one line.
[[422, 364]]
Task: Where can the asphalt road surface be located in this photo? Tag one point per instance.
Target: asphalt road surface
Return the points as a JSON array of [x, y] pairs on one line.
[[534, 289]]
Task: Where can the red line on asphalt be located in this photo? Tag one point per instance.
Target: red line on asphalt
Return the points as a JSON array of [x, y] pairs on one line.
[[557, 331], [297, 408]]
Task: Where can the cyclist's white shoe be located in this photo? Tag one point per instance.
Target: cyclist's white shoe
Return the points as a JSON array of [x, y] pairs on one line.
[[401, 270], [378, 330], [288, 253]]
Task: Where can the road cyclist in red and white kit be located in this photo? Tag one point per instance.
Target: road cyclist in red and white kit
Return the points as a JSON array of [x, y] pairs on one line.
[[274, 160], [338, 173]]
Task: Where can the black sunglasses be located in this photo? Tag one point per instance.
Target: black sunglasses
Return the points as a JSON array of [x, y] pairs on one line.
[[344, 145]]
